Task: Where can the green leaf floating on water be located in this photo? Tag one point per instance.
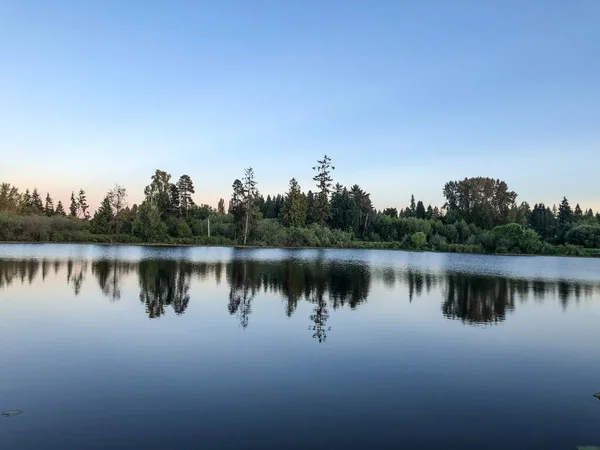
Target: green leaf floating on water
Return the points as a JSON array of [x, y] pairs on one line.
[[14, 412], [597, 395]]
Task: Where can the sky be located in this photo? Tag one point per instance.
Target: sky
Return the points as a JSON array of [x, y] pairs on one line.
[[402, 95]]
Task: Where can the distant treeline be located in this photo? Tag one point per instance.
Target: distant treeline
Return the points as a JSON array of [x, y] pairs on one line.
[[480, 215]]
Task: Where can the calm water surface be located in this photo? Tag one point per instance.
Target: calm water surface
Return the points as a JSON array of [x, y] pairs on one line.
[[133, 347]]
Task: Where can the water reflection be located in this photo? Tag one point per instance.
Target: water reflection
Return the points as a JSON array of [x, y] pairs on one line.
[[326, 284]]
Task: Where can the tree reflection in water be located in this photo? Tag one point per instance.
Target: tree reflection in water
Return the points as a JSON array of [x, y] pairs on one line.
[[326, 284]]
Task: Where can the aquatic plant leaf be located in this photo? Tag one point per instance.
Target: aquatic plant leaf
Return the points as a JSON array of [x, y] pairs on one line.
[[597, 395], [14, 412]]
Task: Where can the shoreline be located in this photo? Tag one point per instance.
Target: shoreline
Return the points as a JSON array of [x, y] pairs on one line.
[[258, 247]]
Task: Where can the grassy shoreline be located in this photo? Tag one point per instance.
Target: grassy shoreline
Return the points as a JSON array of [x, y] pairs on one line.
[[364, 245]]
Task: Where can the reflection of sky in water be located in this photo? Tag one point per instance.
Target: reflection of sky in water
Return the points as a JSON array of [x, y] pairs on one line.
[[234, 344]]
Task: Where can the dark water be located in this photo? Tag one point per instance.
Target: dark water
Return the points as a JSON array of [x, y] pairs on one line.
[[131, 347]]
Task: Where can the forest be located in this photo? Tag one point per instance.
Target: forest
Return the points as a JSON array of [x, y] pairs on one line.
[[480, 215]]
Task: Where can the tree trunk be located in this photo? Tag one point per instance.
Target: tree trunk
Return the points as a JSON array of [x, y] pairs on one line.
[[246, 227], [209, 227]]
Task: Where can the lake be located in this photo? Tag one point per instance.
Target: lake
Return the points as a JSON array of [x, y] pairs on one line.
[[185, 348]]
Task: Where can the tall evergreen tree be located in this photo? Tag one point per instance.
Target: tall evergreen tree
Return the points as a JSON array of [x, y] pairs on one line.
[[250, 196], [312, 214], [186, 189], [577, 213], [60, 209], [413, 206], [564, 211], [293, 212], [74, 208], [420, 210], [429, 213], [36, 202], [542, 220], [49, 206], [82, 205], [102, 221], [236, 206], [26, 202], [323, 180], [362, 223]]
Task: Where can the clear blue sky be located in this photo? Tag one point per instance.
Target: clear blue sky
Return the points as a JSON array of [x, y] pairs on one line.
[[403, 95]]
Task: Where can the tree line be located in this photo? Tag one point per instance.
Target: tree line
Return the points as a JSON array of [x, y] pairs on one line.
[[479, 215]]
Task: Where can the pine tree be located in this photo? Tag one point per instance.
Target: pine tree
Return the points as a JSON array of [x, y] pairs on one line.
[[564, 211], [420, 210], [429, 213], [250, 196], [36, 202], [236, 208], [312, 215], [26, 202], [103, 218], [323, 180], [49, 206], [577, 213], [185, 186], [60, 210], [74, 208], [221, 206], [82, 204], [293, 212], [413, 207]]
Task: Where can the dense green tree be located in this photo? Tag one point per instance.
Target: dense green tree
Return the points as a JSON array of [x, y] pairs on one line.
[[484, 202], [420, 210], [542, 220], [391, 212], [577, 212], [365, 210], [293, 212], [278, 205], [101, 223], [413, 206], [236, 207], [324, 181], [419, 239], [221, 206], [312, 213], [520, 214], [160, 193], [49, 205], [60, 209], [185, 188], [9, 198], [564, 212], [344, 211], [429, 212], [148, 224], [37, 207], [73, 208]]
